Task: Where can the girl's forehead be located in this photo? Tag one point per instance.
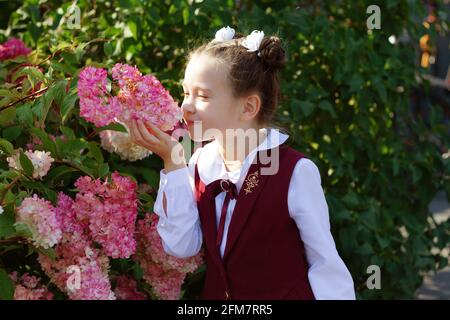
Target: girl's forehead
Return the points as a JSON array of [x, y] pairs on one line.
[[203, 69]]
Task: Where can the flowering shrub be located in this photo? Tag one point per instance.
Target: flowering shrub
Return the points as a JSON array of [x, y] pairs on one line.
[[86, 226]]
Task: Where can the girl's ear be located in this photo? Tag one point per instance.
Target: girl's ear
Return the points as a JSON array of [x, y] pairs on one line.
[[250, 107]]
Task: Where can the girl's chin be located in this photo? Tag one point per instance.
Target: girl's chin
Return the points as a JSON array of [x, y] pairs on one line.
[[197, 137]]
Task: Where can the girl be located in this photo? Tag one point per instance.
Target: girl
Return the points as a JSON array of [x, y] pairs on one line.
[[266, 234]]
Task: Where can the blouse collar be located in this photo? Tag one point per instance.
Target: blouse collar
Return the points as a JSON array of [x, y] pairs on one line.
[[211, 166]]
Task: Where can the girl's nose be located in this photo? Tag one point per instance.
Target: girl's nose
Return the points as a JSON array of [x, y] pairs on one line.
[[187, 107]]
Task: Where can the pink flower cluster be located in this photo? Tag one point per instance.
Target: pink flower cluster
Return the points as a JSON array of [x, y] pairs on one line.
[[139, 97], [100, 223], [28, 288], [126, 289], [163, 272], [109, 210], [40, 217], [95, 105], [103, 213], [13, 48], [76, 256]]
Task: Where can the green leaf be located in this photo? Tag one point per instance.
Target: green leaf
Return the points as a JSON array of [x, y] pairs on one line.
[[26, 164], [114, 127], [299, 108], [381, 89], [6, 286], [67, 106], [58, 172], [95, 151], [51, 195], [7, 220], [46, 141], [67, 132], [6, 146], [58, 91], [12, 133], [356, 83], [364, 249], [22, 230], [7, 116], [146, 197], [79, 51], [24, 114], [133, 28], [5, 93], [326, 105], [73, 148], [172, 9], [351, 199], [186, 15], [103, 170], [108, 48]]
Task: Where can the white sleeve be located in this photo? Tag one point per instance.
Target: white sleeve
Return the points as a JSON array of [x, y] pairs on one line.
[[328, 275], [179, 227]]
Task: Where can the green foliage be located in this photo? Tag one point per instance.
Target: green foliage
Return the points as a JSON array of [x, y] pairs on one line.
[[345, 105]]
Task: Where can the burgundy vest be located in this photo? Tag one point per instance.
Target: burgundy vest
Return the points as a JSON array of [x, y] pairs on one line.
[[264, 255]]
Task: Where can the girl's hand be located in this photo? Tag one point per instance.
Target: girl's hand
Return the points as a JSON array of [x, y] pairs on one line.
[[152, 138]]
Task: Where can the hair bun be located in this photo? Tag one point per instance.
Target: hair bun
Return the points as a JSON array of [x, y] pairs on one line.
[[272, 53]]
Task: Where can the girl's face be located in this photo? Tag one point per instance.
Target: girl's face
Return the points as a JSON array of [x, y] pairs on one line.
[[209, 103]]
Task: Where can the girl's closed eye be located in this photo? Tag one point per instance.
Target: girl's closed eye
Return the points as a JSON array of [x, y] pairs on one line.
[[200, 95]]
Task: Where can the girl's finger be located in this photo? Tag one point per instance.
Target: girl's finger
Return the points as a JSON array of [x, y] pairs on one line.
[[135, 134], [145, 134], [156, 131]]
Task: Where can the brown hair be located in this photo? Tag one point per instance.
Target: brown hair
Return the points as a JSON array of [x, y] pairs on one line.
[[251, 71]]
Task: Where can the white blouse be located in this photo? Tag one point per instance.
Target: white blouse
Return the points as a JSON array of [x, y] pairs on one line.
[[180, 227]]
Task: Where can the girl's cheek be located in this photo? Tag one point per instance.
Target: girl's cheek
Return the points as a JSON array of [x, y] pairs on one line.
[[202, 105]]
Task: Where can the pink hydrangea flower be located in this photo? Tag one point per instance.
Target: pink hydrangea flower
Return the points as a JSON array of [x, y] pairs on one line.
[[92, 267], [74, 256], [126, 289], [40, 217], [166, 284], [76, 253], [109, 209], [95, 104], [13, 48], [139, 97], [28, 288], [162, 271]]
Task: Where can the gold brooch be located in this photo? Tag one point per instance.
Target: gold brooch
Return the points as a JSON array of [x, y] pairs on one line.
[[251, 182]]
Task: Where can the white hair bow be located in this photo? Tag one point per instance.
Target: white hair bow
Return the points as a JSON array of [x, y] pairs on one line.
[[224, 34], [253, 41]]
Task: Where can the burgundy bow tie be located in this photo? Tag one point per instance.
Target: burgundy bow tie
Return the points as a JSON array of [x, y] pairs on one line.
[[216, 187]]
